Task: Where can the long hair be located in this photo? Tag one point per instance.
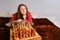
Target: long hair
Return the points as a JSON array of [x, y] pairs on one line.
[[19, 14]]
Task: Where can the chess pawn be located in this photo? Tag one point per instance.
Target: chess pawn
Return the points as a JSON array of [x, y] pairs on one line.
[[24, 31], [33, 32], [21, 34], [26, 34], [18, 26], [29, 32], [29, 26]]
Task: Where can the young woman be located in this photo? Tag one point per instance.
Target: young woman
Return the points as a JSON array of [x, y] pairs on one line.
[[22, 14]]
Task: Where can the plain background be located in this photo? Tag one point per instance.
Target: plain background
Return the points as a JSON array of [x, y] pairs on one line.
[[39, 9]]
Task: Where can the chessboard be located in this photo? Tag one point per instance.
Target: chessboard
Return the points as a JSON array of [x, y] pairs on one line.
[[23, 31]]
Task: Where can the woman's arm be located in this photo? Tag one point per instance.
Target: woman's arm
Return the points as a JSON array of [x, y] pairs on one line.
[[13, 18]]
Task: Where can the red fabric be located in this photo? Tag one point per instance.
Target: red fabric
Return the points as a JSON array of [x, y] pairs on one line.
[[28, 19], [13, 18]]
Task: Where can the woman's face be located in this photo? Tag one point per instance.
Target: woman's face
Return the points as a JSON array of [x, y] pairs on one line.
[[23, 10]]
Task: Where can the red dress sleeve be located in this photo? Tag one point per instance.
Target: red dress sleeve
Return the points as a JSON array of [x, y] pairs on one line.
[[29, 17], [13, 18]]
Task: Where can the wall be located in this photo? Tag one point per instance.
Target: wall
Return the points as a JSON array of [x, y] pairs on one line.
[[39, 8]]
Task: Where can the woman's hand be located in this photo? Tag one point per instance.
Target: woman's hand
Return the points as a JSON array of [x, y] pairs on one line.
[[19, 20], [8, 24]]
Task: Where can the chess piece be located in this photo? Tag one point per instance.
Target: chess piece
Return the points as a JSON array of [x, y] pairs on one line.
[[33, 32], [21, 34], [29, 32], [26, 34], [15, 33]]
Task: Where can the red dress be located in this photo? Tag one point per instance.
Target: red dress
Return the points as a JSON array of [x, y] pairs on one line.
[[28, 19]]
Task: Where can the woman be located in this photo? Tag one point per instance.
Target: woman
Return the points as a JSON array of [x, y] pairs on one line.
[[22, 14]]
